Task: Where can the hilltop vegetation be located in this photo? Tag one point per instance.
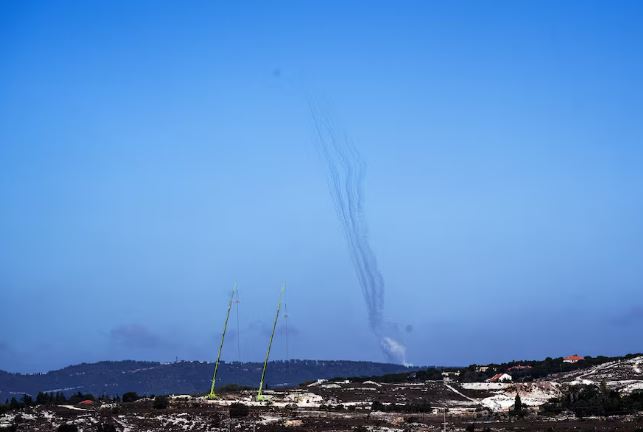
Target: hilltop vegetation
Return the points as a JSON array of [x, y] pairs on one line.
[[529, 370], [593, 400], [522, 371]]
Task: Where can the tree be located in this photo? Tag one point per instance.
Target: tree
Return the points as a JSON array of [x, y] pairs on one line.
[[518, 405], [42, 398], [27, 400], [14, 404], [60, 398]]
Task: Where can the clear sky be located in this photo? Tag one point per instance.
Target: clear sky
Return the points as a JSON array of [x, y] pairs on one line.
[[154, 153]]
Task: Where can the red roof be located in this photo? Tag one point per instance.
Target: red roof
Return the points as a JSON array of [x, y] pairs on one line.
[[574, 357], [496, 377], [86, 402]]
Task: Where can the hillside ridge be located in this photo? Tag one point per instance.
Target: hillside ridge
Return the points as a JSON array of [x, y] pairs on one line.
[[147, 377]]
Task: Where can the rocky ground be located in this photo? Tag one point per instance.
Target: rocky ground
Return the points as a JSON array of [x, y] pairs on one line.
[[297, 412], [354, 406]]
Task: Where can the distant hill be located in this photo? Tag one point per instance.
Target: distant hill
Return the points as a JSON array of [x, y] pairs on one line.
[[117, 377]]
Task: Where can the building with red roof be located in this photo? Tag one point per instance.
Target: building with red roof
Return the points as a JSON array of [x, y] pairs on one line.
[[500, 377], [573, 358]]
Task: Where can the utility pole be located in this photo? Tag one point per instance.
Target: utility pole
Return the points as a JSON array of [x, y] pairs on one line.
[[260, 396], [444, 420], [212, 394]]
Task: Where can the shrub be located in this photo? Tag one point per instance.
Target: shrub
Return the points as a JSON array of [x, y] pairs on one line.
[[106, 427], [238, 410], [67, 427], [130, 397], [215, 421], [417, 407], [161, 402], [377, 406]]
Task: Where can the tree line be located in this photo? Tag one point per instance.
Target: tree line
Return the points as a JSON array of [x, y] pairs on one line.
[[595, 400], [59, 398]]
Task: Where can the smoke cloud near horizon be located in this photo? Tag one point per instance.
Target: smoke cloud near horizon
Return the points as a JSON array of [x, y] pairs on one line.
[[345, 178]]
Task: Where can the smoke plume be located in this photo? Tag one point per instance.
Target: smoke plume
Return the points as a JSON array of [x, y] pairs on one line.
[[345, 179]]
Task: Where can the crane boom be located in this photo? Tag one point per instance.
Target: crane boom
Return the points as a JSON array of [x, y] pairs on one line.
[[212, 394], [260, 396]]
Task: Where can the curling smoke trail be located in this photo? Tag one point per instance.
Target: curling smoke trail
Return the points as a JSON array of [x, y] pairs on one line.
[[346, 175]]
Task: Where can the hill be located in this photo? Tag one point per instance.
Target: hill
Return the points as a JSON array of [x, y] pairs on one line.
[[530, 370], [627, 371], [117, 377], [596, 369]]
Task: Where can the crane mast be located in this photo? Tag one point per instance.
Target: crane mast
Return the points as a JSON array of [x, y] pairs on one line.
[[260, 396], [212, 394]]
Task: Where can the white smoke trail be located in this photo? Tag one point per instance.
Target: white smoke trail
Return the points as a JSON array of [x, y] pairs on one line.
[[395, 349], [345, 177]]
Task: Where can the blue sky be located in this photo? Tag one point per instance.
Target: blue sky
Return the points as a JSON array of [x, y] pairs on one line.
[[154, 153]]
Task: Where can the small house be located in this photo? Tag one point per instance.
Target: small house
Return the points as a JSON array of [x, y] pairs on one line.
[[500, 377]]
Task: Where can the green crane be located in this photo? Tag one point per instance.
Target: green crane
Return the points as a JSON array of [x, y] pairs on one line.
[[260, 396], [212, 394]]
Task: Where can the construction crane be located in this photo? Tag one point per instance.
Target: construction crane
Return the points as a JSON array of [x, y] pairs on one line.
[[260, 396], [212, 394]]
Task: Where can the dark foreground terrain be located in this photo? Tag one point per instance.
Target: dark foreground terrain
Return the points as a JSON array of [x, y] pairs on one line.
[[200, 415]]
